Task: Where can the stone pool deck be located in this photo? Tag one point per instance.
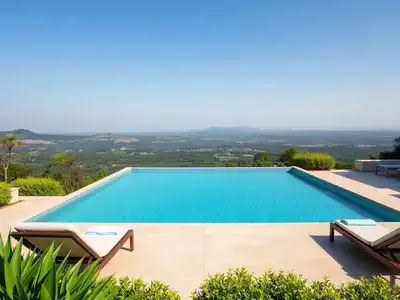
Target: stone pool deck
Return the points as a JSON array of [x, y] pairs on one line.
[[182, 255]]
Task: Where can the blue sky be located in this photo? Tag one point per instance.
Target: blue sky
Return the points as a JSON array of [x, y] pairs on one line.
[[183, 64]]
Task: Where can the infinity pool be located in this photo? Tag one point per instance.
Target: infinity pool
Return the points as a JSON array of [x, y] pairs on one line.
[[225, 195]]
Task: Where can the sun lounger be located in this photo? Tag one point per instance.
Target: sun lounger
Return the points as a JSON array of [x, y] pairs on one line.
[[98, 243], [378, 241], [386, 169]]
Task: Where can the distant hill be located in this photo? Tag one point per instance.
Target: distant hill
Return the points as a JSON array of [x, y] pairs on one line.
[[227, 131], [24, 134]]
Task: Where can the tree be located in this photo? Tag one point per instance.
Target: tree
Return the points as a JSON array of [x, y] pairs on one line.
[[395, 153], [63, 163], [263, 159], [9, 142], [265, 156], [396, 147], [63, 160], [16, 171], [287, 156]]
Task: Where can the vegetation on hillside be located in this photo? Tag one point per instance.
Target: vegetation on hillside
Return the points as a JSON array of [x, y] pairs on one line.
[[80, 161], [211, 148]]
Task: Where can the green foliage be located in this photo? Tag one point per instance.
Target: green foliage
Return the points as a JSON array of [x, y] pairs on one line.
[[287, 156], [231, 164], [263, 163], [62, 160], [376, 289], [8, 143], [5, 193], [389, 155], [100, 175], [395, 153], [38, 187], [127, 288], [16, 171], [263, 159], [39, 276], [61, 168], [396, 146], [343, 165], [34, 277], [264, 156], [240, 284], [313, 161]]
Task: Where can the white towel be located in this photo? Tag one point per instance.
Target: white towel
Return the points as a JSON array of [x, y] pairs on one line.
[[358, 222]]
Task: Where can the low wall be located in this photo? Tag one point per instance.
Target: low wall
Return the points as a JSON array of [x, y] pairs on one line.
[[369, 165], [14, 195]]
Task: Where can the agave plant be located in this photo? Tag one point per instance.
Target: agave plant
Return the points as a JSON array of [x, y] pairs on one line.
[[38, 276]]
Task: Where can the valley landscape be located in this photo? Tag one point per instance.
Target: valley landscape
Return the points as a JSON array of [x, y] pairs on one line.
[[211, 147]]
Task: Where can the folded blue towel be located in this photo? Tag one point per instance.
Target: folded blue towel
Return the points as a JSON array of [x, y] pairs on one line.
[[105, 231], [358, 222], [100, 233]]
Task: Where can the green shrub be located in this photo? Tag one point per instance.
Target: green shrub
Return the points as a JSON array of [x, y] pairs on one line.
[[240, 284], [5, 193], [313, 161], [263, 159], [287, 156], [126, 288], [376, 289], [38, 187], [343, 165], [34, 277]]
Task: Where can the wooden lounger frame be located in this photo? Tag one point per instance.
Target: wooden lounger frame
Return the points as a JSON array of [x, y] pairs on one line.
[[92, 256], [381, 252]]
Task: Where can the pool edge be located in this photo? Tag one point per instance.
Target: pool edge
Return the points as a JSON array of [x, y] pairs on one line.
[[353, 193]]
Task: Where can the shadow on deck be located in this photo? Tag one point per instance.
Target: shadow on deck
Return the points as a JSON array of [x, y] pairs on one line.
[[377, 181], [353, 260]]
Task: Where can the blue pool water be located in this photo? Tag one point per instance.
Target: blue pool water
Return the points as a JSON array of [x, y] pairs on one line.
[[231, 195]]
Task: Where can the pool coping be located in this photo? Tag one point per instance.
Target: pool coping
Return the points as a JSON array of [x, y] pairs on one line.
[[354, 193], [116, 175]]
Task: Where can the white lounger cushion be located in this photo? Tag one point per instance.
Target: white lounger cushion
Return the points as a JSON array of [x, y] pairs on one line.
[[371, 235], [99, 244], [44, 226]]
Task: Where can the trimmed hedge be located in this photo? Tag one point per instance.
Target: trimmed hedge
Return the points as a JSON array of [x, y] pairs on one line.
[[344, 165], [38, 187], [313, 161], [240, 284], [5, 193]]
